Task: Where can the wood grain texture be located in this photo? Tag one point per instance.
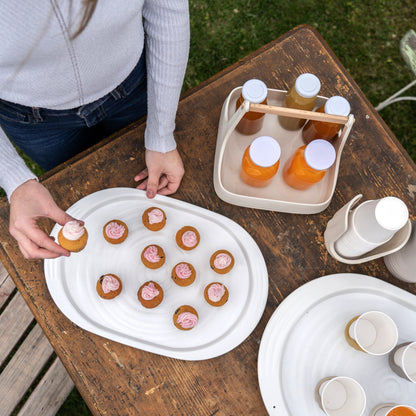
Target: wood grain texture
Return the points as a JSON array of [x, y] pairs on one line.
[[116, 379]]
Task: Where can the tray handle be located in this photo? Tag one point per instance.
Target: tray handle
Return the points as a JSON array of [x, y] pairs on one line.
[[296, 113]]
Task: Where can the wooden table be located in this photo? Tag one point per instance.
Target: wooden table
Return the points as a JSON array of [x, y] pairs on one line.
[[118, 380]]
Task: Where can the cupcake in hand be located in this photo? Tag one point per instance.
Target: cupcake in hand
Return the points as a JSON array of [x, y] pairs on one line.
[[73, 236]]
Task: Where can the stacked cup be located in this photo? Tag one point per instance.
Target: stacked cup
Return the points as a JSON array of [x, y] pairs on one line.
[[372, 224]]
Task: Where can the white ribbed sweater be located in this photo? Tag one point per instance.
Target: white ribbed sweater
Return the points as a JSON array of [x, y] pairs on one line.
[[41, 67]]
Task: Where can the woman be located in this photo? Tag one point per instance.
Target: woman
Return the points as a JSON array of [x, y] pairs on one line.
[[72, 72]]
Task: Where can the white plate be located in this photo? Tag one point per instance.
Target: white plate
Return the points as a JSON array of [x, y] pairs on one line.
[[72, 281], [304, 342]]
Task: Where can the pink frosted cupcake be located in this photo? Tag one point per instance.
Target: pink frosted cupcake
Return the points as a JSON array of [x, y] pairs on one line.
[[183, 274], [153, 256], [109, 286], [154, 219], [115, 231], [73, 236], [187, 238], [185, 318], [150, 294], [216, 294], [222, 261]]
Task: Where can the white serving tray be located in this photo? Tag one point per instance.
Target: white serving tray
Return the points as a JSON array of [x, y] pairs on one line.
[[71, 281], [276, 196], [304, 342]]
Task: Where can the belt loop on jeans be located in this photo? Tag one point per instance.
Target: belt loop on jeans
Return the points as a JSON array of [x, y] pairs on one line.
[[36, 114]]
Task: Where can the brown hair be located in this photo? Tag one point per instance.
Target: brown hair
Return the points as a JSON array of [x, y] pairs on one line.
[[89, 7]]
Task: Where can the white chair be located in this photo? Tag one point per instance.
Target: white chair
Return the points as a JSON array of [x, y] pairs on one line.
[[408, 51]]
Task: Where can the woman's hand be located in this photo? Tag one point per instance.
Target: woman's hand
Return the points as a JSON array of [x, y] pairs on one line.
[[29, 202], [163, 174]]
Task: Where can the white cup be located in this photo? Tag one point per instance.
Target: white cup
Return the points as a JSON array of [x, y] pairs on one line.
[[373, 332], [405, 358], [372, 224], [341, 396], [402, 263], [393, 410]]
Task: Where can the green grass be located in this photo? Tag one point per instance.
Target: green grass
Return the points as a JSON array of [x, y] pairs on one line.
[[364, 35]]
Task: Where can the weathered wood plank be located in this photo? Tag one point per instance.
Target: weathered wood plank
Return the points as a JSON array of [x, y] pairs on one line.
[[7, 285], [50, 393], [14, 322], [23, 368]]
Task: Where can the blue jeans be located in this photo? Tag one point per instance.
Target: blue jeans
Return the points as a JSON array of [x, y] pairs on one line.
[[49, 137]]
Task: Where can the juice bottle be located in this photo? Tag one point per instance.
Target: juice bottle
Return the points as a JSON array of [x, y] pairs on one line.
[[309, 164], [254, 91], [401, 411], [301, 96], [313, 129], [260, 161]]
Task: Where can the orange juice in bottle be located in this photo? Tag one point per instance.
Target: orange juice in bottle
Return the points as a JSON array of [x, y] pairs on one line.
[[314, 129], [301, 96], [398, 411], [309, 164], [260, 161], [254, 91]]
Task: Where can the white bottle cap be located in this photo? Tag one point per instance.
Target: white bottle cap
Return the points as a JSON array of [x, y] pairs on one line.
[[254, 91], [307, 85], [391, 213], [264, 151], [337, 106], [320, 154]]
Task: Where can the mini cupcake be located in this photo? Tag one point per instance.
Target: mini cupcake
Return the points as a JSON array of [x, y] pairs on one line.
[[109, 286], [183, 274], [185, 318], [154, 219], [222, 261], [73, 236], [153, 256], [216, 294], [115, 231], [187, 238], [150, 294]]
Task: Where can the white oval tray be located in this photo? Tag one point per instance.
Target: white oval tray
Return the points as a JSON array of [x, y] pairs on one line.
[[71, 281], [304, 342], [276, 196]]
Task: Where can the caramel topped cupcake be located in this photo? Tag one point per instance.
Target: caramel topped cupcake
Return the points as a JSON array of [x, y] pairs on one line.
[[153, 256], [115, 231], [154, 219], [73, 236], [183, 274], [222, 261], [150, 294], [109, 286], [185, 318], [216, 294], [187, 238]]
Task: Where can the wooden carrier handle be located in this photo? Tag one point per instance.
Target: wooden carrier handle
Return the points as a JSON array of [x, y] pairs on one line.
[[291, 112]]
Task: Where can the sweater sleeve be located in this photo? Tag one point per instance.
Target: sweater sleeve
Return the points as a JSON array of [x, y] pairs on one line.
[[13, 170], [167, 33]]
